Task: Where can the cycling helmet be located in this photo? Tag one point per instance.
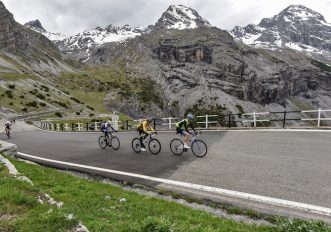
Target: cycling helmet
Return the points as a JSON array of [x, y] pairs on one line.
[[190, 116]]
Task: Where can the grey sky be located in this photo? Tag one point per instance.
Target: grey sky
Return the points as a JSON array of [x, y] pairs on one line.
[[73, 16]]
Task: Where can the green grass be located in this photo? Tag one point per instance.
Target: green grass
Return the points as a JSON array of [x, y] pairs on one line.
[[87, 200], [15, 76]]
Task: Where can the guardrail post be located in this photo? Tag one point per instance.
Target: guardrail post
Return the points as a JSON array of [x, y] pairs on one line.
[[52, 126], [254, 118], [319, 118], [87, 126], [95, 126], [169, 123], [127, 124], [58, 127], [72, 126], [229, 121], [66, 126], [154, 123], [284, 119], [206, 121], [79, 126]]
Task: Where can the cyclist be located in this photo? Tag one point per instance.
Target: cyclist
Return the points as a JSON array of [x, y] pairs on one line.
[[145, 129], [106, 127], [182, 129], [8, 127]]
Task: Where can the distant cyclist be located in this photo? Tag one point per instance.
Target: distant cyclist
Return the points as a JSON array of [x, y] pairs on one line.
[[145, 129], [8, 128], [105, 128], [182, 129]]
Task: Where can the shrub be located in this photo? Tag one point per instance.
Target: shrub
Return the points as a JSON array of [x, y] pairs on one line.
[[91, 115], [61, 104], [11, 86], [9, 94], [58, 114], [43, 104], [33, 104], [25, 109], [75, 99], [78, 113], [41, 96], [11, 103], [33, 92], [45, 88], [91, 108], [22, 97]]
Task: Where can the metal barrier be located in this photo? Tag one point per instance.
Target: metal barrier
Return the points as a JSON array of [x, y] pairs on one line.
[[255, 119]]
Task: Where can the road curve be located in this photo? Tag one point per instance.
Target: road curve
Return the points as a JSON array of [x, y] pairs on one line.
[[293, 166]]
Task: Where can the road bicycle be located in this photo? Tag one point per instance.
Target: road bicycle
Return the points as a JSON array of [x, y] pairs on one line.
[[198, 147], [152, 143], [109, 140]]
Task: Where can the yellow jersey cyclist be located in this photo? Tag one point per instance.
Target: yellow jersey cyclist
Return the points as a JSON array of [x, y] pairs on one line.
[[145, 129], [182, 129]]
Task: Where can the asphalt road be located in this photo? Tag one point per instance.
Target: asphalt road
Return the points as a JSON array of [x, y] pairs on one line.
[[293, 166]]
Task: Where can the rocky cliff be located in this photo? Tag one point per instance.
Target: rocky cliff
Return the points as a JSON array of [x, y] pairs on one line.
[[205, 67]]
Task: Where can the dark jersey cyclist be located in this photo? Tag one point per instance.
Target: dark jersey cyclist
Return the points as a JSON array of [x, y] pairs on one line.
[[182, 129]]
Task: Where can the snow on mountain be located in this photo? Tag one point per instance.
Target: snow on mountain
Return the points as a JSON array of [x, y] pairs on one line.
[[181, 17], [296, 27], [35, 25], [81, 44]]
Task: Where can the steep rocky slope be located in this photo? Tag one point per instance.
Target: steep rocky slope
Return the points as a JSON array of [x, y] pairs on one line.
[[296, 27], [206, 68]]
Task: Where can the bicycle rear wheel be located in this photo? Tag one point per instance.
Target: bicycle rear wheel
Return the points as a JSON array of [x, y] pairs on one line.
[[102, 142], [115, 143], [199, 148], [136, 145], [154, 146], [177, 146]]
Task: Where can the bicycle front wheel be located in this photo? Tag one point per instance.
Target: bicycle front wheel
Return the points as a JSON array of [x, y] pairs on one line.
[[102, 142], [177, 146], [154, 146], [199, 148], [115, 143], [136, 145]]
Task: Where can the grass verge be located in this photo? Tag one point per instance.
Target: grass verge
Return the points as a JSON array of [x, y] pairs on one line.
[[104, 207]]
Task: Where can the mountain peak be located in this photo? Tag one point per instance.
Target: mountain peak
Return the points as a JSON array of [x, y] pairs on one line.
[[301, 13], [181, 17], [35, 24]]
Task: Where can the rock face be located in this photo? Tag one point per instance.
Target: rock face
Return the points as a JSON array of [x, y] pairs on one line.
[[31, 51], [36, 25], [180, 17], [206, 67], [296, 27]]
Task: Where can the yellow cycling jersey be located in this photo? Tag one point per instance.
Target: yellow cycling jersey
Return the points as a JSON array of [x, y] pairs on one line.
[[145, 126]]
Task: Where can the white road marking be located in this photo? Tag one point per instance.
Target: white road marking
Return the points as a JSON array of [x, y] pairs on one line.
[[224, 192]]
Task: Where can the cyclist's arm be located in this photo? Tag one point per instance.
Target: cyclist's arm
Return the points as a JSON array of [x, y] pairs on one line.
[[192, 127], [145, 128]]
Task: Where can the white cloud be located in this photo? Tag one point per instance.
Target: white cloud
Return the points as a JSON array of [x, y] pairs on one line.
[[73, 16]]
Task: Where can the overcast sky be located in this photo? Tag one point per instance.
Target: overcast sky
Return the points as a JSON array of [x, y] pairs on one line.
[[73, 16]]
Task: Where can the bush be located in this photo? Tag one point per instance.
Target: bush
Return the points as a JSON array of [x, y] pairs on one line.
[[91, 115], [22, 97], [78, 113], [45, 88], [25, 109], [41, 96], [33, 104], [11, 103], [43, 104], [9, 94], [75, 99], [58, 114], [29, 122], [11, 86], [91, 108], [61, 104]]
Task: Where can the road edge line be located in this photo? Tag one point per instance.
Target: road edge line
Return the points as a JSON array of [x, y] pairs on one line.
[[323, 211]]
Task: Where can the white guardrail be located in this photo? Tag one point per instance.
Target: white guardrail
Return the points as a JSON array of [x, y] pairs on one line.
[[208, 120]]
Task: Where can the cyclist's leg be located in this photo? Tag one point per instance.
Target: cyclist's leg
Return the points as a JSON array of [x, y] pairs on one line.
[[141, 138], [186, 139]]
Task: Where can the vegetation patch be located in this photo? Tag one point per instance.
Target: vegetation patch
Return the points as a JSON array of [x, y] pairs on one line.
[[321, 65]]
